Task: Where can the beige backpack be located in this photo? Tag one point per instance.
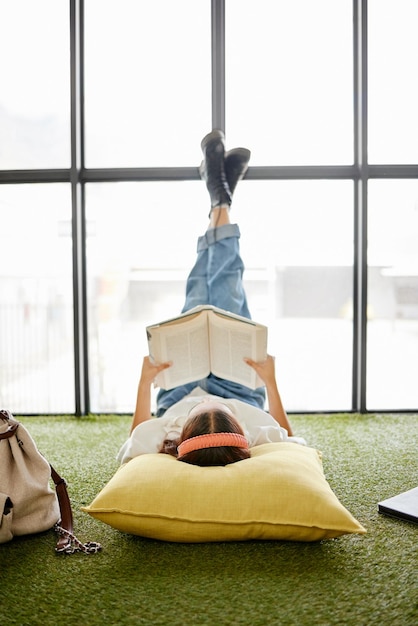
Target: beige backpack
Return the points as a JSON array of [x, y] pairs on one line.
[[28, 504]]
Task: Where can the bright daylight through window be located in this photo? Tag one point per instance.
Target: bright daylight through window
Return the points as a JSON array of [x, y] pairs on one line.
[[101, 202]]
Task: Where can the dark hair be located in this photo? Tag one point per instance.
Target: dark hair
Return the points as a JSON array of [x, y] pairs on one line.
[[215, 421]]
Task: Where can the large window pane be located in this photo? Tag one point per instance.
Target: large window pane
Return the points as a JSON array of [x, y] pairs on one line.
[[36, 321], [298, 235], [138, 257], [289, 80], [392, 346], [393, 82], [297, 245], [35, 84], [148, 82]]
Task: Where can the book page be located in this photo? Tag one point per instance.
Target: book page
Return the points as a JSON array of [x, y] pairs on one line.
[[186, 345], [230, 342]]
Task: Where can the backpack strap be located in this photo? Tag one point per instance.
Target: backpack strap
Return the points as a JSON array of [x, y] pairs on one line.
[[12, 426], [67, 542], [9, 432], [66, 522]]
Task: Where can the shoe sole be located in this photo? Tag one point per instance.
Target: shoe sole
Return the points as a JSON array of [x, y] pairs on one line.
[[242, 152], [215, 134]]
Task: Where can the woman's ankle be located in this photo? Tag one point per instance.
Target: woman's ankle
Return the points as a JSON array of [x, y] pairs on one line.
[[219, 216]]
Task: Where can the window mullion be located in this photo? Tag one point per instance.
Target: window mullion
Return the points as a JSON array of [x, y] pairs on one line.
[[360, 206], [218, 64], [78, 216]]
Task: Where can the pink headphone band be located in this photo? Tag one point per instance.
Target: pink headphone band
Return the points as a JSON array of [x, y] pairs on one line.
[[212, 440]]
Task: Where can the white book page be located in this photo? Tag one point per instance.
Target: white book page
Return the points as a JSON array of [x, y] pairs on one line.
[[187, 346], [230, 342]]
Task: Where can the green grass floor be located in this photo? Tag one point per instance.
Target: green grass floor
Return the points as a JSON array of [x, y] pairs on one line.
[[353, 580]]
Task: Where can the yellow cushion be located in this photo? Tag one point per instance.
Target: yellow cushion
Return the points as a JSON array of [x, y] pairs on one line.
[[279, 493]]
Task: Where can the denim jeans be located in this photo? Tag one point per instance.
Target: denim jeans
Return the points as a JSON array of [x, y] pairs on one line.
[[216, 278]]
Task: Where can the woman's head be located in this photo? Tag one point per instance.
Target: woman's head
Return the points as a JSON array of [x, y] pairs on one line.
[[207, 418]]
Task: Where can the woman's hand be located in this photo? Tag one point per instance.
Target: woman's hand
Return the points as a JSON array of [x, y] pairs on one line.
[[265, 369], [143, 397], [150, 370]]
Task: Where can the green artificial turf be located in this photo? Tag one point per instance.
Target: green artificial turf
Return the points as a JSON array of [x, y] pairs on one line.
[[353, 580]]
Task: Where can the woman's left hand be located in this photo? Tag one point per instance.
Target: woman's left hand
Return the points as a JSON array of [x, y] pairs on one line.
[[265, 369]]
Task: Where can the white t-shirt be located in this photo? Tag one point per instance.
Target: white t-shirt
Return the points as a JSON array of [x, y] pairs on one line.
[[258, 426]]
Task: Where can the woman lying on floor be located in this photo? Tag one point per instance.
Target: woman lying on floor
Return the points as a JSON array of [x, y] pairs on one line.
[[212, 421]]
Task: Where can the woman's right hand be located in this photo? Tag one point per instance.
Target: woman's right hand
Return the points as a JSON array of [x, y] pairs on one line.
[[150, 369], [143, 397]]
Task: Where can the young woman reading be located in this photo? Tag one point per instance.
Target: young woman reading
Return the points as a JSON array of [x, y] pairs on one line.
[[212, 421]]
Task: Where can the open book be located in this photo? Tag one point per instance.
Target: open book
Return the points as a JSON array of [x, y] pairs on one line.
[[207, 340]]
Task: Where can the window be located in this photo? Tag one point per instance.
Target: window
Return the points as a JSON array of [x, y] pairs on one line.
[[297, 240], [36, 310], [102, 111], [393, 87], [289, 80], [147, 81], [137, 266], [393, 294], [35, 93]]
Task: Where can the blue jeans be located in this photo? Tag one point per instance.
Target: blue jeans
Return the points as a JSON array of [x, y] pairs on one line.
[[216, 278]]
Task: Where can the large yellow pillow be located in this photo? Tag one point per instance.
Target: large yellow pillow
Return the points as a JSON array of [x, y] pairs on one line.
[[279, 493]]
